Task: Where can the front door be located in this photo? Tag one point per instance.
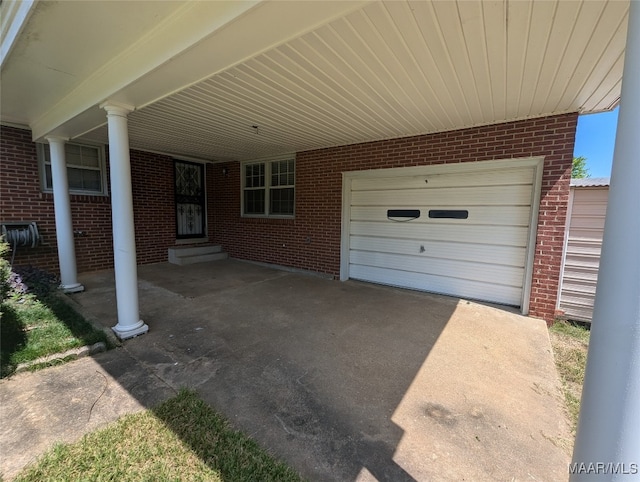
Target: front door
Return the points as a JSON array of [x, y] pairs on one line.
[[190, 200]]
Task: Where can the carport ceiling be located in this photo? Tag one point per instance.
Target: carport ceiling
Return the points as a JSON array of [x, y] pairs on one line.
[[384, 70]]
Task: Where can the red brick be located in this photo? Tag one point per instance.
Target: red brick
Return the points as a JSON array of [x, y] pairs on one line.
[[318, 199]]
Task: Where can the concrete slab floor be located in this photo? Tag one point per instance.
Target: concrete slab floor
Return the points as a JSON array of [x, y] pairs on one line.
[[343, 380]]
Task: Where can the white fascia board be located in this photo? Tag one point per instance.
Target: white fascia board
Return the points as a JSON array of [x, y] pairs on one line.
[[14, 17], [184, 50]]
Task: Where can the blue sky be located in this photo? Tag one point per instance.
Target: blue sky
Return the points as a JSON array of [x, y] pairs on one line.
[[595, 139]]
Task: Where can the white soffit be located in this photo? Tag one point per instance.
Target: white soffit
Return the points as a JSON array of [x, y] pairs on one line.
[[384, 70], [196, 41], [397, 69], [63, 44]]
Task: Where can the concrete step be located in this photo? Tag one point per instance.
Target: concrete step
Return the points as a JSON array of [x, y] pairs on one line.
[[182, 255], [200, 258], [191, 250]]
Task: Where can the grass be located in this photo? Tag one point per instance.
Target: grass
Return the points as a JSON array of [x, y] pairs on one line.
[[181, 439], [33, 327], [570, 342]]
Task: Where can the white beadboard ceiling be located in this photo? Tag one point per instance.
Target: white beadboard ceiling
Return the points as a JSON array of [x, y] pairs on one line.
[[392, 69]]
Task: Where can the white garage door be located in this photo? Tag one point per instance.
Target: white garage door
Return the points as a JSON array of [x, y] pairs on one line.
[[463, 232]]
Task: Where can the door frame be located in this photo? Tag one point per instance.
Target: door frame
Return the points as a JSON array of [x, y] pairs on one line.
[[189, 238]]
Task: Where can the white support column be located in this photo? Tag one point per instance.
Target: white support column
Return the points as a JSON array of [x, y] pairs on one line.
[[609, 425], [62, 208], [124, 245]]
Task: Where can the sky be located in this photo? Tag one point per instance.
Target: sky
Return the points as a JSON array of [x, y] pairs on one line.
[[595, 138]]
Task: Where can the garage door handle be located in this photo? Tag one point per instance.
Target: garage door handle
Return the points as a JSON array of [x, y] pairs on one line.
[[403, 214]]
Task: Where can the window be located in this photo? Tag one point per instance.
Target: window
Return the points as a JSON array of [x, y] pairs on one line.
[[85, 168], [268, 188]]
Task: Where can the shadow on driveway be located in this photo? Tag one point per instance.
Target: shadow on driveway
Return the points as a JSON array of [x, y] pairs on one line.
[[345, 381]]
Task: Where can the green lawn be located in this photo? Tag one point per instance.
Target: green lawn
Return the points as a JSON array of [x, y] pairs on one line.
[[182, 439], [32, 327]]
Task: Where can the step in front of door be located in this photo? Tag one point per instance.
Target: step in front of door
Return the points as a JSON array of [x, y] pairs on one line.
[[183, 255]]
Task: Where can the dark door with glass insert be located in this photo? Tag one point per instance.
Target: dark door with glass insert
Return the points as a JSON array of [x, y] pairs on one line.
[[190, 201]]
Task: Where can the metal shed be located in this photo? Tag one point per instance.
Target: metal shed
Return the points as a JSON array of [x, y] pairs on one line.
[[583, 241]]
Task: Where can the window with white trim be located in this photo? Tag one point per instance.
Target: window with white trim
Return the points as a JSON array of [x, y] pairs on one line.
[[268, 188], [85, 168]]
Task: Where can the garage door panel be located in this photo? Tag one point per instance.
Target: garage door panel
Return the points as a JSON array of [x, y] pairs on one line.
[[504, 235], [488, 273], [492, 178], [438, 284], [483, 256], [506, 195], [491, 215], [481, 253]]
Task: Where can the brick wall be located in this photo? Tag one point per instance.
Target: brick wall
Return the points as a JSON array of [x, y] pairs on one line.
[[153, 205], [312, 239], [22, 199]]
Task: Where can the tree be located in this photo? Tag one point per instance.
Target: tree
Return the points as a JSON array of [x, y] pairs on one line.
[[579, 169]]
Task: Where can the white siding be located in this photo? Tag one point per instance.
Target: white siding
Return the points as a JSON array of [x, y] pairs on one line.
[[582, 251]]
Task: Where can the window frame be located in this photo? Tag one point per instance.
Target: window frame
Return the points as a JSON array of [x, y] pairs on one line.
[[268, 166], [102, 167]]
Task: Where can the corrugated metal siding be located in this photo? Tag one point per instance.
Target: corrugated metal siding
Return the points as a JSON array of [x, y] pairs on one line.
[[482, 257], [582, 252]]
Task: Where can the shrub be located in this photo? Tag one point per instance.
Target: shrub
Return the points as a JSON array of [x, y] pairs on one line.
[[5, 270], [22, 280], [29, 279]]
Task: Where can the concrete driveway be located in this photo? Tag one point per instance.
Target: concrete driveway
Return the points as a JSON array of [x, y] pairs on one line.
[[346, 380]]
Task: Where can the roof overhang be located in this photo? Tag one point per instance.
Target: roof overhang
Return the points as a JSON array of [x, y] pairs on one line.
[[309, 75]]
